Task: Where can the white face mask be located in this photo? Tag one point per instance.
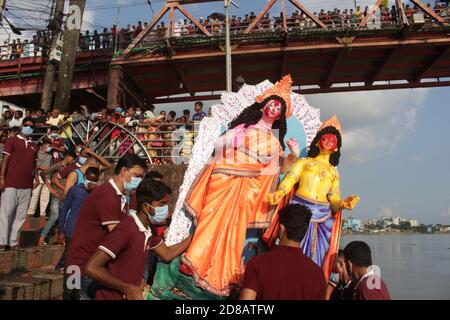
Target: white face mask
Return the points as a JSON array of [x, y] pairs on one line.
[[161, 214]]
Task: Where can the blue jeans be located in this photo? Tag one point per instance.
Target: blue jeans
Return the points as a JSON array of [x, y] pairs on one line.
[[88, 288], [55, 205]]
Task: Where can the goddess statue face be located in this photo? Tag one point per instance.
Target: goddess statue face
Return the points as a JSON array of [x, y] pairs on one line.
[[272, 110], [328, 143]]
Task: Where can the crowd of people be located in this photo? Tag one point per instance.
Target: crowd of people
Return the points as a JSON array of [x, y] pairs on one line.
[[106, 39], [112, 221], [166, 136]]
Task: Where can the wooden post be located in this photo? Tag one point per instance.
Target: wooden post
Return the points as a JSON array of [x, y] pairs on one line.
[[283, 10], [70, 48], [171, 21], [114, 87], [49, 82]]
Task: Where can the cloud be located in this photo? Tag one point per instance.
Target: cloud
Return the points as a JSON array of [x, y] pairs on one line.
[[88, 20], [26, 15], [390, 209], [446, 213], [374, 122]]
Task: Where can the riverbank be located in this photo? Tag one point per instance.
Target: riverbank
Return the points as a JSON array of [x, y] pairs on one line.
[[392, 233]]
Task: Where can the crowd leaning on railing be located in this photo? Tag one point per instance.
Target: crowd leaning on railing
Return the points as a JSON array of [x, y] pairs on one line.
[[335, 19], [167, 137]]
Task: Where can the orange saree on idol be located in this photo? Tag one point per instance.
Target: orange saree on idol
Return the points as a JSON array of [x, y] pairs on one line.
[[230, 195]]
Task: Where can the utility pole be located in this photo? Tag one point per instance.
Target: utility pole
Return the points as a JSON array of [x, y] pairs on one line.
[[116, 36], [228, 44], [47, 94], [67, 65], [229, 70]]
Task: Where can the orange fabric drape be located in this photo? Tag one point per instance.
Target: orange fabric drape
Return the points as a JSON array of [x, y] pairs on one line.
[[228, 197], [330, 259]]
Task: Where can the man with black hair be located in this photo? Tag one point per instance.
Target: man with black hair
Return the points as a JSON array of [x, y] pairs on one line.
[[68, 216], [340, 286], [285, 273], [17, 119], [185, 118], [153, 174], [199, 113], [57, 143], [41, 194], [103, 209], [40, 120], [17, 174], [55, 184], [119, 262], [368, 284]]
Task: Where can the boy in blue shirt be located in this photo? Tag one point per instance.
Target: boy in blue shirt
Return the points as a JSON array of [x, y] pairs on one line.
[[68, 215]]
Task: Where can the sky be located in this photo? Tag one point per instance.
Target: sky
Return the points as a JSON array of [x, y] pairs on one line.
[[396, 143]]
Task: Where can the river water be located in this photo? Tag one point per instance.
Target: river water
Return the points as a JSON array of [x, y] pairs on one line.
[[413, 266]]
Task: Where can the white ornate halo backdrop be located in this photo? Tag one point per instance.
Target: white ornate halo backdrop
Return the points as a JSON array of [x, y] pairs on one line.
[[210, 130]]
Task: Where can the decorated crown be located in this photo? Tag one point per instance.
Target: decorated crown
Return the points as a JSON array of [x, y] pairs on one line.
[[332, 122], [281, 89]]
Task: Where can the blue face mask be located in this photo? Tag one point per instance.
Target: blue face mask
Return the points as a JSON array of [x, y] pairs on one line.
[[82, 160], [161, 214], [27, 131], [54, 135], [48, 149], [133, 184]]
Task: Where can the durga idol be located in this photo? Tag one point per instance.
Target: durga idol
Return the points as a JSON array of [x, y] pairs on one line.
[[318, 188]]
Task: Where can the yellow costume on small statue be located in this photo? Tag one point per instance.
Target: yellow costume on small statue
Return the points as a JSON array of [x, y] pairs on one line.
[[319, 190]]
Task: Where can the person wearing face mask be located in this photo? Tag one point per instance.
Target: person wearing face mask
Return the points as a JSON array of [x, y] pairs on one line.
[[17, 174], [57, 144], [340, 286], [368, 285], [55, 183], [119, 262], [77, 175], [103, 209], [80, 160], [69, 213], [41, 193]]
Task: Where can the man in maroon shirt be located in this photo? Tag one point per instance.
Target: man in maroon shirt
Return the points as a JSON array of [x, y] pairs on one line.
[[16, 182], [118, 264], [103, 209], [368, 284], [285, 273], [58, 146]]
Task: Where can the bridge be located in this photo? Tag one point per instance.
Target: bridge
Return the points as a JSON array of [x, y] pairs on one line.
[[164, 65]]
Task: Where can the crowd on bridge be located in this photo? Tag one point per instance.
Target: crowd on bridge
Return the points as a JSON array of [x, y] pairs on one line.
[[297, 20]]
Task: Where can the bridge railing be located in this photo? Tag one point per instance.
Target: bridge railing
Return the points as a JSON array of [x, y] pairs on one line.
[[12, 51], [335, 21]]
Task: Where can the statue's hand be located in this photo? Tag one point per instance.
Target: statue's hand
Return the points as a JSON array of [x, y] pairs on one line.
[[351, 202], [293, 147], [276, 197]]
